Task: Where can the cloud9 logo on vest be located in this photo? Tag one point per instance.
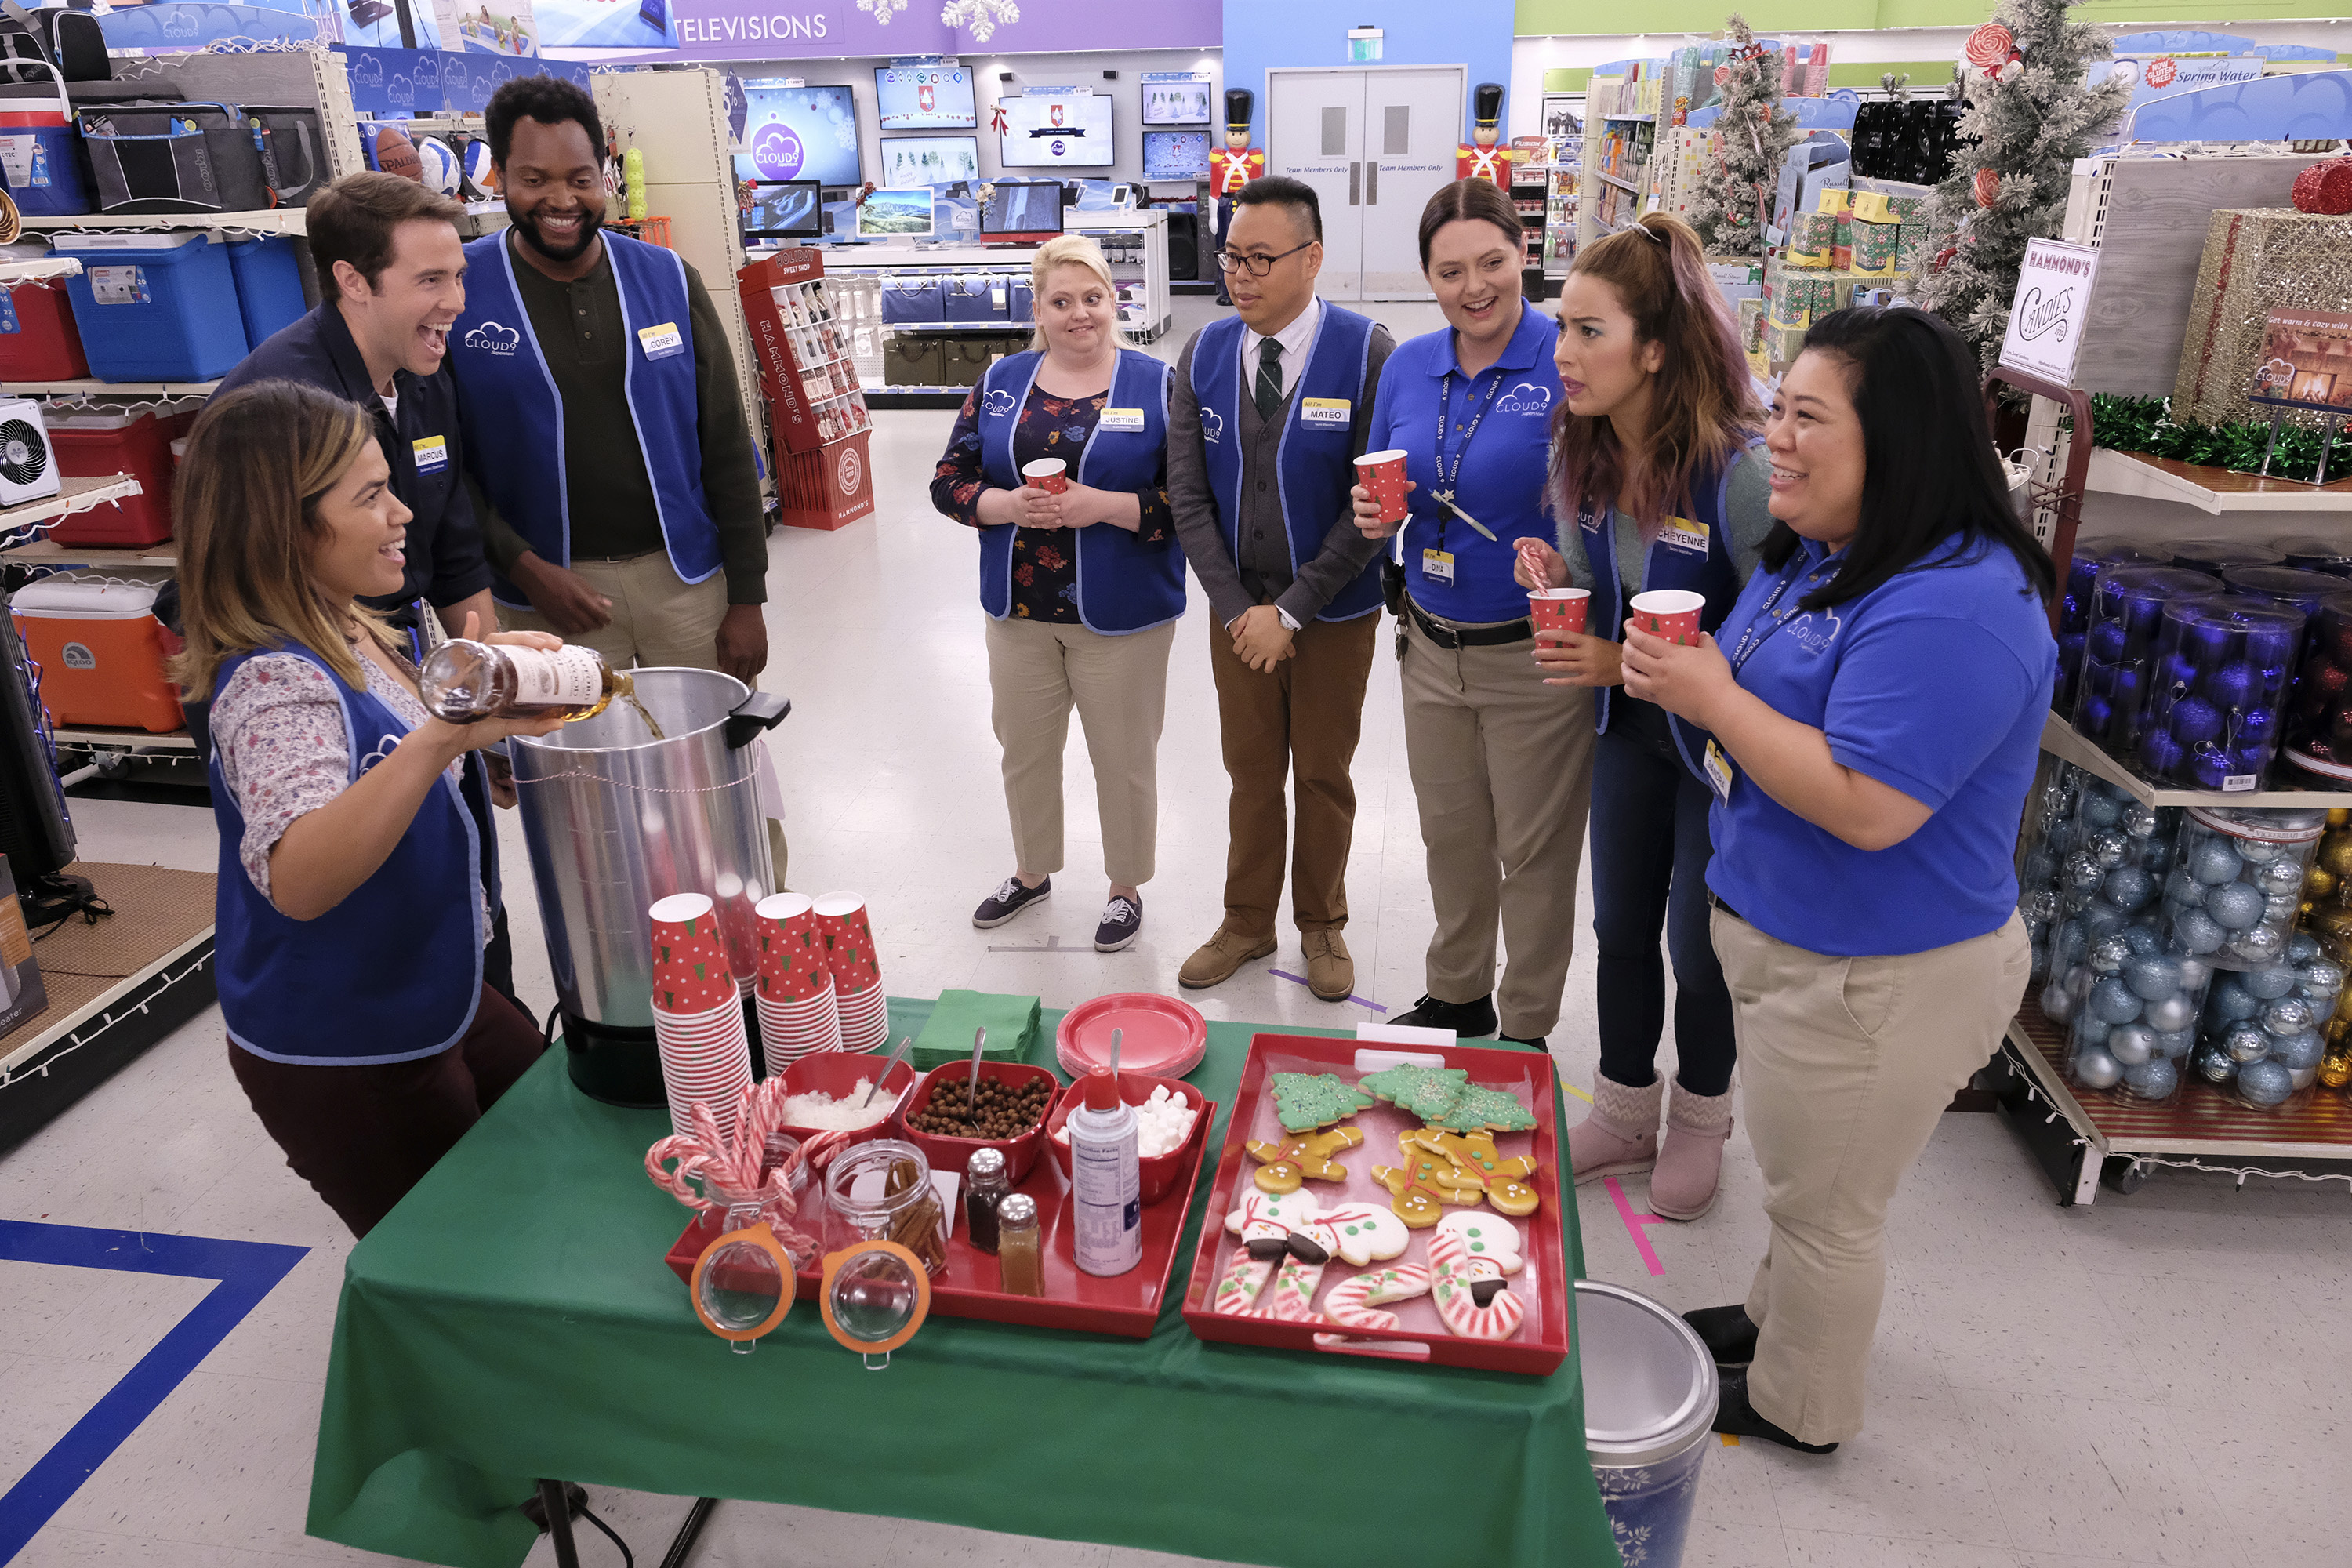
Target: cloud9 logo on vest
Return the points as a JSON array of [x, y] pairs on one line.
[[1524, 398], [493, 338], [1212, 425], [999, 404]]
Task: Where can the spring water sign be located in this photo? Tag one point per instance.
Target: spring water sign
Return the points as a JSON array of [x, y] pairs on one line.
[[2047, 314]]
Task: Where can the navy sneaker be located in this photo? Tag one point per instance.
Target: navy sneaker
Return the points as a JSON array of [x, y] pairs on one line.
[[1122, 923], [1008, 900]]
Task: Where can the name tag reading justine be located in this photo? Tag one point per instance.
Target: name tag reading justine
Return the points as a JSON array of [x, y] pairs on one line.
[[1121, 421], [1330, 413]]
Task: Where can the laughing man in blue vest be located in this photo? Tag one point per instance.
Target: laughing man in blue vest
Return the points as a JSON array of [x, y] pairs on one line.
[[1271, 409]]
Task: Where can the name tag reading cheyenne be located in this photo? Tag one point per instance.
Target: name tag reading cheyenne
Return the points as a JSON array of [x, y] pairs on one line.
[[1332, 412], [1121, 421], [1684, 534], [430, 453], [660, 343]]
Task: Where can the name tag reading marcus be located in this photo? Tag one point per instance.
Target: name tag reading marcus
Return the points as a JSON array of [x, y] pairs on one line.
[[430, 454], [1121, 421], [660, 343], [1329, 412], [1684, 534]]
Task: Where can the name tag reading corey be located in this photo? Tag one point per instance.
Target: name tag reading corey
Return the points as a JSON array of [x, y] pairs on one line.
[[660, 343], [1121, 421], [1332, 412], [1683, 533], [430, 453]]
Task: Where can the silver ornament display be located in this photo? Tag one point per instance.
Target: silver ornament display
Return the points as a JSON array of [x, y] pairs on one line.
[[2099, 810], [2175, 1044], [2183, 891], [2128, 887], [2245, 1042], [2175, 1012], [2098, 1069], [2262, 944], [2071, 942], [2304, 1079], [2302, 947], [2101, 918], [2320, 979], [2083, 873], [2091, 1029], [2113, 1001], [2258, 851], [2280, 876], [2153, 976], [2213, 1064], [2041, 904], [2296, 1051], [2265, 1083], [2109, 849], [2236, 906], [2057, 1003], [2109, 954], [2152, 1080], [2214, 863], [2198, 932], [2139, 821], [2280, 909], [2040, 866], [2132, 1043], [2287, 1016], [2155, 857], [2194, 972]]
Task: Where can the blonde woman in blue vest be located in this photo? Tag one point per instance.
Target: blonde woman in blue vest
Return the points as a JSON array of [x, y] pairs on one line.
[[1659, 481], [1082, 588]]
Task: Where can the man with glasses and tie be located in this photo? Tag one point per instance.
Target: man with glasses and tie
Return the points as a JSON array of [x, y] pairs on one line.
[[1268, 415]]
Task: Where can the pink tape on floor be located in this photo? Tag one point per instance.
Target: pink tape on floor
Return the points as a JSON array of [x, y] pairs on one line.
[[1634, 1223]]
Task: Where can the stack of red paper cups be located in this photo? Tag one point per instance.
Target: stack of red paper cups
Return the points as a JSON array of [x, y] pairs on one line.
[[794, 994], [856, 969], [698, 1013]]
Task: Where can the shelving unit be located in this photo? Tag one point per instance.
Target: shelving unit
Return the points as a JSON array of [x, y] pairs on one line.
[[73, 496], [91, 388], [2215, 490], [269, 220], [104, 739], [2061, 741]]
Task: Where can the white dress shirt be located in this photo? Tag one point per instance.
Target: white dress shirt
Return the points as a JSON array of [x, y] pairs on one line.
[[1294, 339]]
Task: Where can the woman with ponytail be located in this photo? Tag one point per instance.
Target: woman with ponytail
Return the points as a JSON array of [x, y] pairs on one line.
[[1658, 481]]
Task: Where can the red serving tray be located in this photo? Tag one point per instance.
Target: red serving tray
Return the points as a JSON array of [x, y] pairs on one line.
[[1542, 1342], [1127, 1305]]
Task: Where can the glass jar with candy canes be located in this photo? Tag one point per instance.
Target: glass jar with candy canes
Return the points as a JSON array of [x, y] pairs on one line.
[[2119, 650], [2217, 695], [2259, 1038], [2236, 886]]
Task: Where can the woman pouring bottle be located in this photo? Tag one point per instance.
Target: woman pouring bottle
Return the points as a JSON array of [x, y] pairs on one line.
[[351, 917], [1501, 764]]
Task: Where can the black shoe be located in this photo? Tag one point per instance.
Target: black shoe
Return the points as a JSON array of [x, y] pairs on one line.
[[1008, 900], [1122, 923], [1540, 1043], [1726, 1331], [1470, 1020], [1736, 1416]]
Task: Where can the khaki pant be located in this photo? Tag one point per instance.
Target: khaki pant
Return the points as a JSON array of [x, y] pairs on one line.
[[1846, 1065], [1301, 720], [659, 621], [1037, 671], [1502, 768]]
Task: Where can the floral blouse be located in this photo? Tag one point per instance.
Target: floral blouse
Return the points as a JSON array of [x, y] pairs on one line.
[[1045, 560]]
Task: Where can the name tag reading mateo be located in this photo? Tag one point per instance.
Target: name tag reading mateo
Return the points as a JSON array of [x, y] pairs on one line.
[[1330, 413], [1121, 421], [1684, 533], [660, 343]]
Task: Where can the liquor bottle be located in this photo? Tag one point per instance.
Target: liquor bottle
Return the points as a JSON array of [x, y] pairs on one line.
[[463, 682]]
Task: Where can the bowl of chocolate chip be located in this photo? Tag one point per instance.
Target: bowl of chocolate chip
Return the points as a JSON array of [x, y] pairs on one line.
[[948, 1116]]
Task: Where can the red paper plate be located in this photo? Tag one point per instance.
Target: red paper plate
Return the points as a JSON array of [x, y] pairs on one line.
[[1160, 1036]]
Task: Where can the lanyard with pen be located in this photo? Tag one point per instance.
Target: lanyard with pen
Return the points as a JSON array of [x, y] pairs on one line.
[[1449, 477]]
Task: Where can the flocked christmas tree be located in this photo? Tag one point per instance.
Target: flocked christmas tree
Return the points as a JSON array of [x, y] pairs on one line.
[[2031, 117], [1753, 136]]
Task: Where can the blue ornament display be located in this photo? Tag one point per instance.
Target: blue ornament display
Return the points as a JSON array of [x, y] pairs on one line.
[[2057, 1003], [2094, 712], [2230, 686], [2246, 1043], [2106, 643], [2287, 1016], [2198, 932], [2155, 1079], [2160, 753], [2232, 1001], [2213, 1065], [2214, 862], [2297, 1052], [2091, 1029], [2265, 1083], [2142, 940], [2209, 768], [2174, 1012], [2121, 660], [2115, 1002], [2152, 976], [2175, 1043], [2194, 722], [2083, 873], [2132, 1043], [2268, 984], [2221, 653], [2099, 810], [2302, 947], [2096, 1068], [2235, 906]]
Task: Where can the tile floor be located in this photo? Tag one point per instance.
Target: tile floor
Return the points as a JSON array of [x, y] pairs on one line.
[[2145, 1382]]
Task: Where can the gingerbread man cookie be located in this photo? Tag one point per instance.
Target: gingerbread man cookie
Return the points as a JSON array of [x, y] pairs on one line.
[[1295, 1161], [1469, 1256], [1425, 1183], [1473, 1154]]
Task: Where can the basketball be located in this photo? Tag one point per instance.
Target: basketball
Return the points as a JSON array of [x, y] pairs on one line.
[[390, 150], [438, 165]]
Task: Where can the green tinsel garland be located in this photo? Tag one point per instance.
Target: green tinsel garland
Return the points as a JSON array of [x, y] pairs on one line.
[[2146, 424]]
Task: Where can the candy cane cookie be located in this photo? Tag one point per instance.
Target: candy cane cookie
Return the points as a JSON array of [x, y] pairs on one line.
[[1468, 1256], [1244, 1281], [1352, 1303]]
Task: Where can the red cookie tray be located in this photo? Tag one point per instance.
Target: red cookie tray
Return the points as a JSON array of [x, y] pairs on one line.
[[1541, 1285], [1127, 1304]]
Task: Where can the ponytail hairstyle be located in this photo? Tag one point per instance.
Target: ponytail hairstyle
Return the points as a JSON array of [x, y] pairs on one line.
[[1703, 406]]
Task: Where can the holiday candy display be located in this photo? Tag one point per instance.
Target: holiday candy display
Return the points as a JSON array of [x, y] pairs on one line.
[[2261, 1036], [2319, 709], [2119, 650], [750, 1171], [2217, 693], [2074, 611], [2236, 884]]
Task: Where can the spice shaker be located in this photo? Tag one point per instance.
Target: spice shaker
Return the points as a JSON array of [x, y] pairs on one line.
[[1020, 1246], [986, 1179]]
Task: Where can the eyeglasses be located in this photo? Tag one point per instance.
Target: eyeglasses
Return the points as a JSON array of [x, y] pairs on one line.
[[1254, 265]]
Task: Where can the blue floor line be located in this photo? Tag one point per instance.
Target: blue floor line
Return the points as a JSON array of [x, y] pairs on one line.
[[247, 1271]]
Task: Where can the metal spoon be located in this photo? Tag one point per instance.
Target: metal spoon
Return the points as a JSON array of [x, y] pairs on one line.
[[971, 1092], [898, 1051]]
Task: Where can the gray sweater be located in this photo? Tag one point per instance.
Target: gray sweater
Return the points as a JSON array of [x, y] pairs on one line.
[[1744, 510], [1263, 571]]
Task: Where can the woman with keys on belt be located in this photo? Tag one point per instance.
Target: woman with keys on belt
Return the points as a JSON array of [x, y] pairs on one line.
[[1501, 764]]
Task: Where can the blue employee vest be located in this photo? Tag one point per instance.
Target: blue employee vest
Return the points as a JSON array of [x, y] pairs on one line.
[[1314, 461], [393, 972], [1124, 585], [1697, 559], [513, 416]]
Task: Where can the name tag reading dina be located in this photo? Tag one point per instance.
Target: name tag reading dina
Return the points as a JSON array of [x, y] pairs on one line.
[[660, 343], [1684, 534], [1121, 421], [430, 454], [1330, 413]]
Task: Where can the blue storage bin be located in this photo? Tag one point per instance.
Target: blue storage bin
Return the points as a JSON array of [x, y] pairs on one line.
[[269, 285], [41, 157], [913, 299], [154, 307]]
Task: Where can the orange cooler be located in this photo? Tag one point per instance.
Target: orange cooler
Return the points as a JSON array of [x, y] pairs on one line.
[[97, 446], [101, 652]]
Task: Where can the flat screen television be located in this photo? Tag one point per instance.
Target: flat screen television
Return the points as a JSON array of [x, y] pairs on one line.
[[801, 133], [925, 98], [904, 214], [929, 160], [785, 209], [1175, 154], [1175, 102], [1022, 212], [1058, 132]]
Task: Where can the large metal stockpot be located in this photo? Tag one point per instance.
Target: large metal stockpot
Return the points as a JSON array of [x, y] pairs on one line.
[[615, 820]]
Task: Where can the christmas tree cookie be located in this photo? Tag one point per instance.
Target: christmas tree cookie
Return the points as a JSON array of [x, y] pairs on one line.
[[1427, 1093], [1303, 1101], [1477, 1109]]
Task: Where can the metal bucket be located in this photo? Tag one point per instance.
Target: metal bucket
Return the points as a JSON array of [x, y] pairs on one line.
[[1649, 1403], [615, 820]]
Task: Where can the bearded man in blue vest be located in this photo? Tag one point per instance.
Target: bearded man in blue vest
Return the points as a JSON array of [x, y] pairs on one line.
[[604, 427], [1267, 417]]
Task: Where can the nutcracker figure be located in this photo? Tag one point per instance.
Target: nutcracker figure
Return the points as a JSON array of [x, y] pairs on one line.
[[1480, 158], [1233, 167]]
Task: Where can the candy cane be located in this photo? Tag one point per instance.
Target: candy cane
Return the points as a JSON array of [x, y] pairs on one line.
[[1351, 1302], [1292, 1298], [1237, 1292], [1498, 1320]]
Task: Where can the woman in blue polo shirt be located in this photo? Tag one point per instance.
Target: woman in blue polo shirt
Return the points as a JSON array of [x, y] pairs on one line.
[[1877, 724], [1502, 765]]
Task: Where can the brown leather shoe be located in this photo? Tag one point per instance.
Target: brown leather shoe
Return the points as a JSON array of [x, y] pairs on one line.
[[1330, 973], [1217, 958]]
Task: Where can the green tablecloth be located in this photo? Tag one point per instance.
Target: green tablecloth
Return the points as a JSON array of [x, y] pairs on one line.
[[513, 1319]]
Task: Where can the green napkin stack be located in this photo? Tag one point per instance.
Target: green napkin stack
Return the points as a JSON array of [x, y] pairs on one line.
[[1012, 1023]]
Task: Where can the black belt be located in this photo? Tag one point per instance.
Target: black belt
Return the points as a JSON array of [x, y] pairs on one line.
[[1451, 637], [1726, 909]]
